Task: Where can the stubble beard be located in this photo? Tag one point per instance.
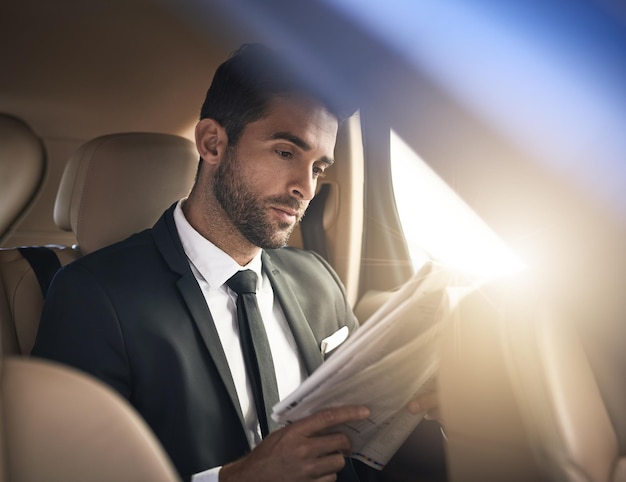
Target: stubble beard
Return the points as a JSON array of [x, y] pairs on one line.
[[248, 211]]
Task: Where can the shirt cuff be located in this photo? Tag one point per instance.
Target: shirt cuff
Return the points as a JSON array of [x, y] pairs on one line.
[[211, 475]]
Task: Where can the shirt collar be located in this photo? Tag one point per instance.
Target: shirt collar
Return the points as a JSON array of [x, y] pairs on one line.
[[213, 264]]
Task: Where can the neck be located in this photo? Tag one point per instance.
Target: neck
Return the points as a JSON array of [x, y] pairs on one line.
[[208, 218]]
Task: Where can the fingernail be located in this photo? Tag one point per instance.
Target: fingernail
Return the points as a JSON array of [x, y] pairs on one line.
[[414, 407]]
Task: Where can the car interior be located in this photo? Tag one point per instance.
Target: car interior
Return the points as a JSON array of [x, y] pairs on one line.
[[516, 110]]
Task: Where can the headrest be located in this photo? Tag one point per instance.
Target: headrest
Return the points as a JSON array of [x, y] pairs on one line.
[[119, 184], [22, 163]]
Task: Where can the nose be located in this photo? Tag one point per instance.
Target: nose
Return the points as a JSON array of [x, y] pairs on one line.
[[303, 185]]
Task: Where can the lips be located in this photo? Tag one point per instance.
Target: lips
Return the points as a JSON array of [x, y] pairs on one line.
[[287, 213]]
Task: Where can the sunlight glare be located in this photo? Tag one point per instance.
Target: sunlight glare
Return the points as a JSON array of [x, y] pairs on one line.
[[437, 221]]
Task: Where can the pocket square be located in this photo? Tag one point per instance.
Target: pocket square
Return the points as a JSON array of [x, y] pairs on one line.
[[333, 341]]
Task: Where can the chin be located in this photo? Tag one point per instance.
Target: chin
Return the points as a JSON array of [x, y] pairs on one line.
[[281, 239]]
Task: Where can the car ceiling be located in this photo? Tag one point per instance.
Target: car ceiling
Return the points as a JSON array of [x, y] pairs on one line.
[[150, 62], [146, 66]]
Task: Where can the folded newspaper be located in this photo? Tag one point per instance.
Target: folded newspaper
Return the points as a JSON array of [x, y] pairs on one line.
[[389, 360]]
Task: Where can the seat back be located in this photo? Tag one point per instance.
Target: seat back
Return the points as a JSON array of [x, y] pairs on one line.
[[520, 398], [22, 167], [574, 436], [60, 425], [112, 187]]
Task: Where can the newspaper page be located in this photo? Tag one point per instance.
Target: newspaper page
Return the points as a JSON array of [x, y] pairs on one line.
[[390, 359]]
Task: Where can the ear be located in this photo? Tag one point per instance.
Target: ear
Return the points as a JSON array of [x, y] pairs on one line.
[[211, 140]]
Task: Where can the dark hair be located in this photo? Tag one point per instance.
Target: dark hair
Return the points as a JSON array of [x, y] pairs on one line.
[[245, 83]]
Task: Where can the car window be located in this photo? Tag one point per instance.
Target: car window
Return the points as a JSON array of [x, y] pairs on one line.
[[438, 224]]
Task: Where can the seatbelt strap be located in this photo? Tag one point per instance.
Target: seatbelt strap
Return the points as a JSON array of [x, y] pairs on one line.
[[312, 224], [44, 262]]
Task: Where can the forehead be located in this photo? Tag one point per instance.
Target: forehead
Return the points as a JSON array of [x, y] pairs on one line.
[[300, 116]]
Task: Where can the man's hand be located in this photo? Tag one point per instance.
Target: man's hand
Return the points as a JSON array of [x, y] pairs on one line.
[[302, 451], [427, 402]]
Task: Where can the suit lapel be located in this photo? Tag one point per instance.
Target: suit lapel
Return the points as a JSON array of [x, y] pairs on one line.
[[168, 242], [307, 344]]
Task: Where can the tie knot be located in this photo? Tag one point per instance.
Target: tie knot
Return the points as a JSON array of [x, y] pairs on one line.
[[243, 282]]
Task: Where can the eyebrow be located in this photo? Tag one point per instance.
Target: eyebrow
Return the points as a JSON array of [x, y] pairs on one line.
[[301, 144]]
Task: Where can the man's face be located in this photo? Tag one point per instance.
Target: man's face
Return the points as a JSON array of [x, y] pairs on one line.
[[265, 183]]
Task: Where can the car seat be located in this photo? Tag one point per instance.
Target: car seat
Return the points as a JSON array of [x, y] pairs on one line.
[[112, 187], [22, 167], [520, 395], [61, 425]]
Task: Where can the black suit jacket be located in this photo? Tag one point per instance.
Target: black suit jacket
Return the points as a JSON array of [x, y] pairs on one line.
[[133, 315]]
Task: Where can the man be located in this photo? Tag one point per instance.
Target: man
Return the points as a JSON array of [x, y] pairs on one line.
[[153, 315]]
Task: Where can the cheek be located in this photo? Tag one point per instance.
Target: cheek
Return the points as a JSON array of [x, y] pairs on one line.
[[268, 187], [262, 175], [266, 181]]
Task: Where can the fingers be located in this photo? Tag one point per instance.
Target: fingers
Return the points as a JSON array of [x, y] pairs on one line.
[[325, 466], [305, 451], [330, 417], [332, 443], [424, 403]]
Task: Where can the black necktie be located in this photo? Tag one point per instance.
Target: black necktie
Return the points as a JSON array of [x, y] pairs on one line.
[[255, 347]]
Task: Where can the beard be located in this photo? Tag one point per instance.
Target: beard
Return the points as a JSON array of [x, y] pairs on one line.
[[248, 210]]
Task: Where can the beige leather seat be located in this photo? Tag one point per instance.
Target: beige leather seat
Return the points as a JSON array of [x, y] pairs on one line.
[[22, 166], [112, 187], [520, 397], [59, 425]]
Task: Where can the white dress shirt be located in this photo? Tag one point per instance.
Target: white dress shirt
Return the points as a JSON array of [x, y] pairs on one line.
[[212, 267]]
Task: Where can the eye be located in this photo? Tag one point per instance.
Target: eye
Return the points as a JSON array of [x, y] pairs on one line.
[[318, 171], [285, 154]]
